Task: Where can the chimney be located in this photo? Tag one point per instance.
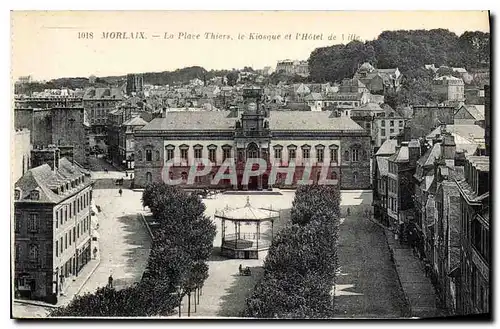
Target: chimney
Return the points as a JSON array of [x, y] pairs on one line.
[[413, 152], [448, 146], [49, 155]]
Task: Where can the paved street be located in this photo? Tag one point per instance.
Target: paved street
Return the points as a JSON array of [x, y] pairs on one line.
[[124, 241], [367, 285]]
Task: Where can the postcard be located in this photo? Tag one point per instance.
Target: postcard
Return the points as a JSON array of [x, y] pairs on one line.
[[250, 164]]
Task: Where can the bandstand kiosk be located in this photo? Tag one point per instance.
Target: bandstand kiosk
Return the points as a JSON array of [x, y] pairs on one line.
[[246, 245]]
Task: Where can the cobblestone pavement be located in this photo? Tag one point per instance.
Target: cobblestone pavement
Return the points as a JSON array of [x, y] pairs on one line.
[[29, 311], [367, 282], [124, 241]]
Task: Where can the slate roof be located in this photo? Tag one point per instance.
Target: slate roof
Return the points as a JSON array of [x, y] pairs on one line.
[[43, 179], [135, 121], [475, 112], [314, 97], [401, 156], [430, 155], [466, 131], [103, 93], [369, 107], [278, 120], [383, 165], [388, 147]]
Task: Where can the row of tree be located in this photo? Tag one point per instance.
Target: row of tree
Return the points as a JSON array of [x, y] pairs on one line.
[[299, 270], [406, 50], [176, 267]]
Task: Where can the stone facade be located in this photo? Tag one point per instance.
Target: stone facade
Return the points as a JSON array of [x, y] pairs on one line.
[[449, 88], [22, 153], [62, 126], [475, 237], [52, 228], [273, 137]]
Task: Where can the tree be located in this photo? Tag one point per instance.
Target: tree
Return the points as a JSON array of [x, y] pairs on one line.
[[475, 48], [232, 78], [299, 270], [181, 246]]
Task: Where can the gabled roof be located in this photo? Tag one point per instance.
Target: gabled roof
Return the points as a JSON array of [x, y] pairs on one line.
[[314, 97], [475, 112], [388, 147], [430, 155], [402, 155], [135, 121]]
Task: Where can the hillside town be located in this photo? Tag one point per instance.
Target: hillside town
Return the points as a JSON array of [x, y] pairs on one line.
[[414, 181]]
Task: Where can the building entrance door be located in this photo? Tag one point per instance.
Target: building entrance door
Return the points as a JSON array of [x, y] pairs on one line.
[[253, 182]]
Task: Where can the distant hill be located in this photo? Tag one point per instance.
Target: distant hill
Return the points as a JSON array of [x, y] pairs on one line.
[[179, 76], [407, 50]]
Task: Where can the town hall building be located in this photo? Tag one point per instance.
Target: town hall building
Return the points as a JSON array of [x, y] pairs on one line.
[[312, 141]]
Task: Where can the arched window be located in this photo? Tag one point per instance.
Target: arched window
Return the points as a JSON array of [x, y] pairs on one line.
[[149, 155], [139, 155], [34, 253], [149, 177], [169, 152], [334, 175], [157, 155], [318, 176], [346, 155], [355, 177]]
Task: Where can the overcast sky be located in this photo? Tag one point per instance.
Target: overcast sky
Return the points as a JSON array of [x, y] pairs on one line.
[[46, 44]]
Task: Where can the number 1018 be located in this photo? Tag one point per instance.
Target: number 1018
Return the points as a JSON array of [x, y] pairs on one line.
[[85, 35]]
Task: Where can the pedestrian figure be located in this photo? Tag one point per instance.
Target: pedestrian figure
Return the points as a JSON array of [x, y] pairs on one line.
[[110, 281], [427, 269], [126, 174], [348, 211], [95, 252], [120, 192]]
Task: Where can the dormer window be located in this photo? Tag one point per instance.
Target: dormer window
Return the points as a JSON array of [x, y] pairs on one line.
[[17, 194], [34, 195]]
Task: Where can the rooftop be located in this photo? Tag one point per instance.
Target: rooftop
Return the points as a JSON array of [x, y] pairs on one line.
[[388, 147], [466, 131], [248, 213], [278, 120], [44, 180], [135, 121]]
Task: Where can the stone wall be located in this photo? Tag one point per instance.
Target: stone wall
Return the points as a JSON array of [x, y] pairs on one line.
[[68, 129]]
